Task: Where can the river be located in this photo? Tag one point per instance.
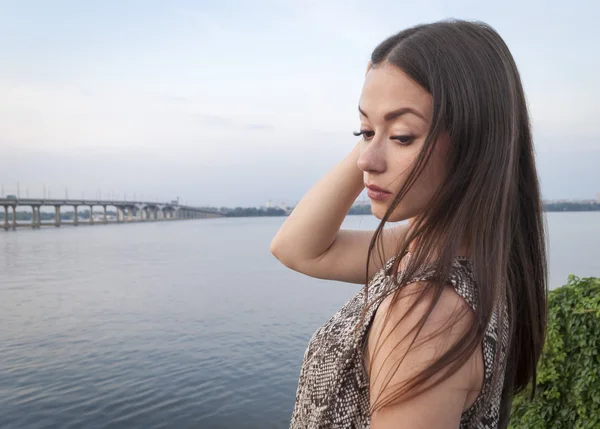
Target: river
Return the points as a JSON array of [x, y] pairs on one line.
[[189, 324]]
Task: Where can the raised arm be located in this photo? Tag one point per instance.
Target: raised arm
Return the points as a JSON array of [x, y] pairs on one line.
[[311, 242]]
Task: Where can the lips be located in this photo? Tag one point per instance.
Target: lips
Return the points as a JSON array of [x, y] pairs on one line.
[[377, 193], [377, 188]]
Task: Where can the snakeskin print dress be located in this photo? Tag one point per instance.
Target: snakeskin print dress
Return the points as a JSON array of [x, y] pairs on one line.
[[333, 389]]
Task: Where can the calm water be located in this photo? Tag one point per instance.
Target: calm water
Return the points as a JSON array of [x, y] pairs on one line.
[[175, 325]]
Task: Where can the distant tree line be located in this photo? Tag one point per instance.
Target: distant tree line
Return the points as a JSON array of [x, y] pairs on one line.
[[366, 209], [252, 211], [571, 207], [360, 210]]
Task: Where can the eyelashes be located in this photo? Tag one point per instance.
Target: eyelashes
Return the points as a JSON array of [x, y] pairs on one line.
[[404, 140], [367, 135]]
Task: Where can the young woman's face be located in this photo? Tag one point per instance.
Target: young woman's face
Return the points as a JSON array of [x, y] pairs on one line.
[[395, 115]]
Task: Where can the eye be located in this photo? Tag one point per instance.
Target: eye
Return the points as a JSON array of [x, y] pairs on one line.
[[366, 134], [403, 140]]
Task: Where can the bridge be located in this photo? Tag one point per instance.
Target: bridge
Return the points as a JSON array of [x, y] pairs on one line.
[[126, 211]]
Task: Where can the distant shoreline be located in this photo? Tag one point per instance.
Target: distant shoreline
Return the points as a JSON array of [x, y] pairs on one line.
[[279, 212], [366, 210]]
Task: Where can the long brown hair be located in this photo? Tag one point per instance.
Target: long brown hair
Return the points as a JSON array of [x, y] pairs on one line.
[[491, 197]]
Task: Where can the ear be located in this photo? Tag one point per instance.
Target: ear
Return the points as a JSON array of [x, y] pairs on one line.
[[369, 67]]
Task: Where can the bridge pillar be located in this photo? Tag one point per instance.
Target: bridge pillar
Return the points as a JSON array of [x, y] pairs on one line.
[[75, 216], [105, 219], [35, 217], [57, 216], [6, 218], [91, 215], [14, 218], [129, 214], [120, 214]]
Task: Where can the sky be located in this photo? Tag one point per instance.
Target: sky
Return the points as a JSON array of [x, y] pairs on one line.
[[235, 103]]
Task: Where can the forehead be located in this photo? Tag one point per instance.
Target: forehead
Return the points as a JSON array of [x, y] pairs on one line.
[[387, 88]]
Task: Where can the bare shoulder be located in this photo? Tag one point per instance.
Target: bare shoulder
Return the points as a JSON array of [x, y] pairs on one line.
[[399, 348]]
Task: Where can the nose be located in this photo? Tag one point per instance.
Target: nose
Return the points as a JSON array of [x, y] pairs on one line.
[[372, 158]]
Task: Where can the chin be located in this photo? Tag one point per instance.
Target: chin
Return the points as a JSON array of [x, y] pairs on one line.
[[379, 211]]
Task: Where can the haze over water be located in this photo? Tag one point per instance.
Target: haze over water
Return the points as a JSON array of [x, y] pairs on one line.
[[189, 324]]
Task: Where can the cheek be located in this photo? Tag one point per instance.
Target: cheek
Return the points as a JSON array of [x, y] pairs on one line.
[[402, 164], [422, 190], [435, 171], [433, 176]]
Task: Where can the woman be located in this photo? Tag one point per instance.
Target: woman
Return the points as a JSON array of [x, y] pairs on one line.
[[451, 321]]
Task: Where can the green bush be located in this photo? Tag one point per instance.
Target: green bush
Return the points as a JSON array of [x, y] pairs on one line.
[[568, 385]]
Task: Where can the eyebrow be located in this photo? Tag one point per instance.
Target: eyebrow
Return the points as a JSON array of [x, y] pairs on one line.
[[389, 116]]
